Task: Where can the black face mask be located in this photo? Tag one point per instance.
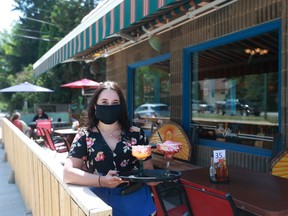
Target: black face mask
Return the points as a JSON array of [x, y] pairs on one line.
[[108, 114]]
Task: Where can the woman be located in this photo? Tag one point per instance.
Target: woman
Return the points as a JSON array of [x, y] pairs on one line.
[[40, 114], [15, 119], [105, 148]]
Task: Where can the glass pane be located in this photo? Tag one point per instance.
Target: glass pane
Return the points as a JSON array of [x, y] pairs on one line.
[[235, 91], [151, 94]]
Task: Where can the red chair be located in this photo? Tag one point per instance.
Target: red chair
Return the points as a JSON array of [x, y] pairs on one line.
[[60, 144], [204, 202], [170, 199], [42, 135], [43, 123]]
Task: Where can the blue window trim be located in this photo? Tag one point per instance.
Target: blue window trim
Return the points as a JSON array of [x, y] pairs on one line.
[[186, 105], [130, 78], [235, 147]]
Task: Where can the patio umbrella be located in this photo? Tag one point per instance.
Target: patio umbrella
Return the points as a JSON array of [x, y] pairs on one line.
[[26, 87], [83, 83]]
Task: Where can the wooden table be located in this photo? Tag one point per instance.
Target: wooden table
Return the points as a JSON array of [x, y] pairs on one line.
[[69, 133], [255, 192]]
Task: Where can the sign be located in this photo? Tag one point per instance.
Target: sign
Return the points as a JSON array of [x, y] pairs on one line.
[[219, 154]]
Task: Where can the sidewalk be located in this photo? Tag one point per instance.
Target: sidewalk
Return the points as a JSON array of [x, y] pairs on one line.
[[11, 203]]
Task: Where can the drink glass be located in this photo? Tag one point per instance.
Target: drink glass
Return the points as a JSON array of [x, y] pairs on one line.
[[169, 148], [141, 152]]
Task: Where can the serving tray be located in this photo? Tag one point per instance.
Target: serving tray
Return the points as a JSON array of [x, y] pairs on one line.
[[156, 175]]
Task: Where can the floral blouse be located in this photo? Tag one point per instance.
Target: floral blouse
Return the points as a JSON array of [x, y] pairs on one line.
[[90, 146]]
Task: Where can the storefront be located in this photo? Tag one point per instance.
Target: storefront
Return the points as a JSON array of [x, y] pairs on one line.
[[217, 68]]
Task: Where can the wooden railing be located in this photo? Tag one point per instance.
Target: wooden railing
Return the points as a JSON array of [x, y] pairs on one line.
[[38, 176]]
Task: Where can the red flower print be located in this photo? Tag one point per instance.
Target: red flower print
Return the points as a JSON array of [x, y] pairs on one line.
[[133, 141], [89, 142], [124, 163], [127, 143], [100, 156]]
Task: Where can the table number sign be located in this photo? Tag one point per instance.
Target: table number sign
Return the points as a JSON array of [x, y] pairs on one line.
[[219, 155]]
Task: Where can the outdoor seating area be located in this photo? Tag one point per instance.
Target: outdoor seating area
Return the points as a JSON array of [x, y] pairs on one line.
[[188, 194], [59, 119], [38, 174]]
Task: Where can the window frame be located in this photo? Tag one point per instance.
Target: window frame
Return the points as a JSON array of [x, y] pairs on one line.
[[130, 78], [186, 98]]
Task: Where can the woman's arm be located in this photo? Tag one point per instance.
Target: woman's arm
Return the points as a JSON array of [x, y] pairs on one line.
[[73, 174]]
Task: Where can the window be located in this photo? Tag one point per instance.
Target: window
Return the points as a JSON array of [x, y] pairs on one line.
[[234, 91], [151, 92]]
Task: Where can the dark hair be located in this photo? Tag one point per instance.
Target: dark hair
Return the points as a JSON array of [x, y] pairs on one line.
[[43, 111], [92, 120]]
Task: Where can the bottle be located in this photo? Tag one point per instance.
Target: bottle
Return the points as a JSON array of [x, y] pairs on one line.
[[220, 171], [226, 174], [212, 171]]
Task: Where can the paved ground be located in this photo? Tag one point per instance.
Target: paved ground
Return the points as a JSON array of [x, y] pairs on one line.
[[11, 203]]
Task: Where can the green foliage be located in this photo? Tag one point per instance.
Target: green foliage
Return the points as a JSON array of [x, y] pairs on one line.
[[47, 22]]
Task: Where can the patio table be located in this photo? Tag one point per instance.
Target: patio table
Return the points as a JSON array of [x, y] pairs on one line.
[[69, 133], [254, 192]]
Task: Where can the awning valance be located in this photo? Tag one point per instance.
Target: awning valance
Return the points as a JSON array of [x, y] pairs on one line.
[[111, 20]]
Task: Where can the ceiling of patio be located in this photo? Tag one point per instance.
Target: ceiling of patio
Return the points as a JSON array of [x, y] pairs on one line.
[[233, 57]]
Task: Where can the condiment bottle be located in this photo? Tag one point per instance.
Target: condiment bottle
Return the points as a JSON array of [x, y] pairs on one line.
[[212, 170], [226, 171], [221, 171]]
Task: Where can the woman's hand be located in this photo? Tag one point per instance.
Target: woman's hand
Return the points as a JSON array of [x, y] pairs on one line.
[[111, 180]]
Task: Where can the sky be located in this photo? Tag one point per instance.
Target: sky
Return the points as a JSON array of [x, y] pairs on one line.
[[7, 16]]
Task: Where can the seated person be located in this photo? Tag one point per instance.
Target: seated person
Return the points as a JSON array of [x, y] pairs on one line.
[[40, 114], [15, 119]]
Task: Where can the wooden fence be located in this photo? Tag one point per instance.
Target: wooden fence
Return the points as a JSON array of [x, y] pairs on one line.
[[38, 176]]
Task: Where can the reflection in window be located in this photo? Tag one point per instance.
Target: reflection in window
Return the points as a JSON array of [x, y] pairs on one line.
[[234, 91], [152, 92]]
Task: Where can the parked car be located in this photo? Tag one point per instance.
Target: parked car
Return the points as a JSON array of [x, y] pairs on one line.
[[201, 106], [152, 110], [234, 106]]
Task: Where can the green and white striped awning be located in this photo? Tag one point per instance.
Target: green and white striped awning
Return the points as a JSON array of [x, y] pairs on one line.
[[112, 17]]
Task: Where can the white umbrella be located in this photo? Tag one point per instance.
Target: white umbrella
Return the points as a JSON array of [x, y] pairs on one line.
[[26, 87]]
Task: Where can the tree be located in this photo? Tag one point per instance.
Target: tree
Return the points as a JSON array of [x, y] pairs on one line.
[[41, 26]]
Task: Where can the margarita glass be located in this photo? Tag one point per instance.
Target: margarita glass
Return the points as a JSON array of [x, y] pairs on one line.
[[141, 152], [169, 148]]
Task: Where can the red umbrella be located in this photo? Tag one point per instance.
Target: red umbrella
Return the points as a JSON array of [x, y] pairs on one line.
[[83, 83]]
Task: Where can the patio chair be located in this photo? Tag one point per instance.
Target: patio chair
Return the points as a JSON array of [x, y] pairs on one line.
[[204, 202], [43, 139], [59, 145], [170, 199], [43, 123]]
